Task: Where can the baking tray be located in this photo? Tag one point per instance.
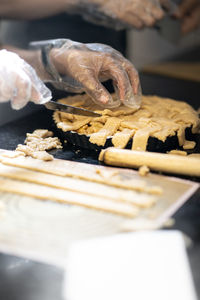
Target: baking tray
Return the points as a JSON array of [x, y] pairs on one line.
[[154, 144]]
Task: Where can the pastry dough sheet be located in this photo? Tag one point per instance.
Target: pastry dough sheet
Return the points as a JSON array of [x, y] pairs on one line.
[[141, 200], [52, 194], [123, 178], [21, 181]]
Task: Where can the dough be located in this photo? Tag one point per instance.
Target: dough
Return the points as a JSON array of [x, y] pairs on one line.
[[188, 145], [155, 161], [121, 138], [141, 200], [157, 117], [178, 152], [58, 195], [144, 171], [109, 129], [141, 139], [122, 179], [37, 143]]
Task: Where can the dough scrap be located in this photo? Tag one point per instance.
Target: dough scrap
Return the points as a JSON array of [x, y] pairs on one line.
[[143, 171], [157, 117], [73, 126], [37, 143], [188, 145], [40, 133]]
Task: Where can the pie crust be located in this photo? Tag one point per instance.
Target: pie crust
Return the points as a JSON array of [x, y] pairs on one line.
[[158, 118]]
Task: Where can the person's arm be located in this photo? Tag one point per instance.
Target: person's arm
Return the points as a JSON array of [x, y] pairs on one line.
[[19, 82], [83, 67], [112, 13], [189, 14], [32, 57]]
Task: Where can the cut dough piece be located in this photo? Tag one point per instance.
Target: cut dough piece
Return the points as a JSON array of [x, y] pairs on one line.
[[125, 178], [188, 145], [42, 155], [140, 140], [121, 138], [53, 194], [178, 152], [94, 127], [181, 136], [141, 200], [109, 129], [40, 133], [28, 151], [68, 126], [39, 144]]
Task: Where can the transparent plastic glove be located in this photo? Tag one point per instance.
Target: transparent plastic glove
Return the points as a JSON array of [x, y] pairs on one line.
[[85, 66], [19, 83], [120, 14]]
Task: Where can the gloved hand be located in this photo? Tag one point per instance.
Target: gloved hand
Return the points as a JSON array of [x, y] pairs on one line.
[[19, 83], [85, 66], [189, 14], [120, 14]]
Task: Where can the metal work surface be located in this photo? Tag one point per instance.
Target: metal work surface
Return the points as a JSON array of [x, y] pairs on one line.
[[27, 280]]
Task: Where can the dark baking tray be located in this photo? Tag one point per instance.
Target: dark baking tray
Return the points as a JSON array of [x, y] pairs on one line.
[[154, 144]]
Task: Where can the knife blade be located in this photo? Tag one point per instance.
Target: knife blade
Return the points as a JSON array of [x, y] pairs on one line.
[[52, 105]]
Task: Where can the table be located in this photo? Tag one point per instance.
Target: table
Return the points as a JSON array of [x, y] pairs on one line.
[[22, 279]]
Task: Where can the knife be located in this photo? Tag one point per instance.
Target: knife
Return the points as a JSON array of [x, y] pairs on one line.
[[52, 105]]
